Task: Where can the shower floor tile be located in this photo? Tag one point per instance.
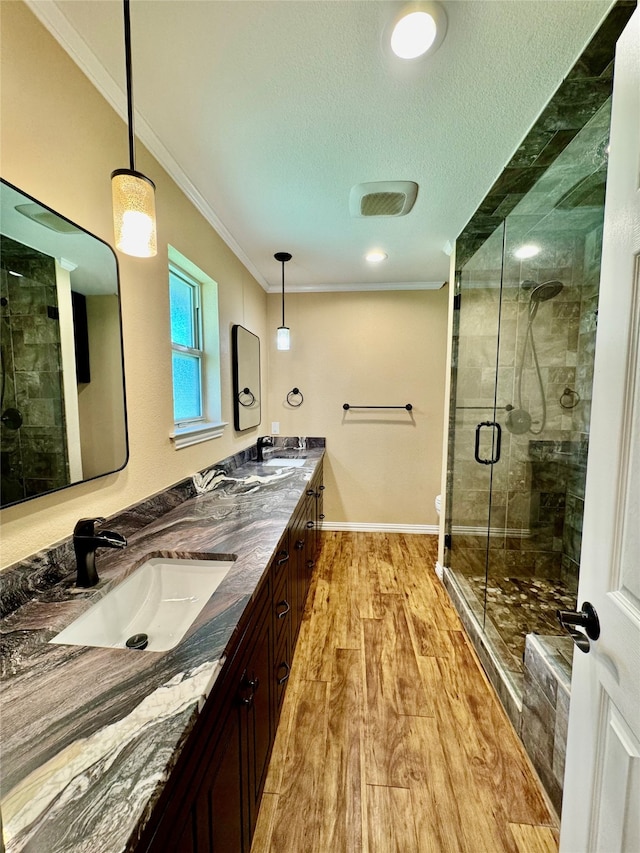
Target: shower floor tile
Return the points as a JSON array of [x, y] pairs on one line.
[[520, 606]]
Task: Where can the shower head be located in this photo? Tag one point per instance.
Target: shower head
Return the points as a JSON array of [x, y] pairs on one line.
[[541, 293], [546, 290]]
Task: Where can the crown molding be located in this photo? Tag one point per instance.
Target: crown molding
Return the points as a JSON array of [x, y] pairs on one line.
[[359, 286]]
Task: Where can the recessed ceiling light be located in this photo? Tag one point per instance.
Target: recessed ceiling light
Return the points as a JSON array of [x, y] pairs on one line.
[[420, 27], [529, 250], [375, 256]]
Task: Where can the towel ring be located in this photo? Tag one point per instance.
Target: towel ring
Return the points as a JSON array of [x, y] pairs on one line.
[[295, 392], [248, 394], [569, 398]]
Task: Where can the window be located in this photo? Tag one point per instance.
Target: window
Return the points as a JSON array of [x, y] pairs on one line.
[[195, 353], [187, 355]]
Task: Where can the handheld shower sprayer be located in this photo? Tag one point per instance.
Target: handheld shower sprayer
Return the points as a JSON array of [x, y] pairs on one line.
[[541, 293], [519, 421]]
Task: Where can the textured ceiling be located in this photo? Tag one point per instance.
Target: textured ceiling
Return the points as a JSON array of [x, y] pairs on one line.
[[268, 112]]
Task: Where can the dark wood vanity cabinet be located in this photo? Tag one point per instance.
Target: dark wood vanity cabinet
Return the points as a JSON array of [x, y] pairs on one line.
[[211, 800]]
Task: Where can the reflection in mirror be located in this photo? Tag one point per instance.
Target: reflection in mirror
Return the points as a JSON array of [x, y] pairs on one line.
[[63, 415], [246, 378]]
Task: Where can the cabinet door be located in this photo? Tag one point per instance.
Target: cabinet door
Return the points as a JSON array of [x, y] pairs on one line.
[[319, 489], [310, 547], [256, 709], [216, 812], [219, 808], [297, 572], [282, 614]]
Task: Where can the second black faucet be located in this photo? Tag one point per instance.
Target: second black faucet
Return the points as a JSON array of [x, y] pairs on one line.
[[262, 442]]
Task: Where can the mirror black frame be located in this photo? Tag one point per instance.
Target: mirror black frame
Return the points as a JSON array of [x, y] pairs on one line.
[[246, 399], [120, 361]]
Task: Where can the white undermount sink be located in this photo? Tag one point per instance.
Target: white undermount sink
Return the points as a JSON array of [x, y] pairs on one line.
[[160, 599], [284, 462]]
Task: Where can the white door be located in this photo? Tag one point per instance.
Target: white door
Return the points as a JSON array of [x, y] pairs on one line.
[[601, 809]]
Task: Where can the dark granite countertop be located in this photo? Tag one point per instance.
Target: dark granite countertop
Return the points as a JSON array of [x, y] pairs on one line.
[[89, 735]]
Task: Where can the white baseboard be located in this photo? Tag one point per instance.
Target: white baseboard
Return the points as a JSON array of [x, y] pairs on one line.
[[439, 570], [373, 527]]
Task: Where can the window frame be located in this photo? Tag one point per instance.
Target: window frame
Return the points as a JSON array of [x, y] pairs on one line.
[[198, 351], [210, 425]]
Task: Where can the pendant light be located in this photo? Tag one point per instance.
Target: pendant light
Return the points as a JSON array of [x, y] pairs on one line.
[[283, 340], [133, 194]]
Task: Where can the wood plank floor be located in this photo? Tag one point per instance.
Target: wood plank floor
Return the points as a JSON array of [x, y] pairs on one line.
[[391, 739]]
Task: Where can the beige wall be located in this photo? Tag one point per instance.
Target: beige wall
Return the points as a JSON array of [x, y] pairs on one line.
[[60, 141], [372, 349]]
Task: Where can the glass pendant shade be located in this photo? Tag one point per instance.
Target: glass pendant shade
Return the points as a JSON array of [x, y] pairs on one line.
[[134, 213], [283, 340]]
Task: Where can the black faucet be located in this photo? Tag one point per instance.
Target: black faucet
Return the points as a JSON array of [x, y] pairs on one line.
[[85, 542], [262, 442]]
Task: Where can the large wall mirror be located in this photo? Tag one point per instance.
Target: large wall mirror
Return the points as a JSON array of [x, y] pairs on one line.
[[246, 378], [63, 413]]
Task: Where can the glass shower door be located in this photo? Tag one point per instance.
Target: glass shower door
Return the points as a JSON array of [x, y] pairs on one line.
[[474, 434]]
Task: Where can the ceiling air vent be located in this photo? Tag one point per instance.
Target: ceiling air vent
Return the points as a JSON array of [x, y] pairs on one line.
[[382, 198]]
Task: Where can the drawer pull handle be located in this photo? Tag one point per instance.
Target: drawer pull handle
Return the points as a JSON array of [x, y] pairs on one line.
[[310, 524], [286, 674], [310, 564], [252, 685], [299, 545], [310, 493], [283, 558], [287, 607]]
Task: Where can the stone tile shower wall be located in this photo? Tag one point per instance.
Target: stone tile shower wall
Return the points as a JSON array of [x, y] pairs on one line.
[[34, 457], [536, 492]]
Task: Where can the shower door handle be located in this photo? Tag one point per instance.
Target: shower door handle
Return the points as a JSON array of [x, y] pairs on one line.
[[498, 442]]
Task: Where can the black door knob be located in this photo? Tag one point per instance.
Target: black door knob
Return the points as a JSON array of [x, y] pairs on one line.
[[586, 618]]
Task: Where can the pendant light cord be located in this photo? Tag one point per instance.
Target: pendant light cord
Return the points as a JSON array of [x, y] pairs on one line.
[[283, 293], [282, 257], [128, 66]]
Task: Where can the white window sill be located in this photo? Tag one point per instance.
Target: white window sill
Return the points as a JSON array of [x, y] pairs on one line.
[[195, 434]]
